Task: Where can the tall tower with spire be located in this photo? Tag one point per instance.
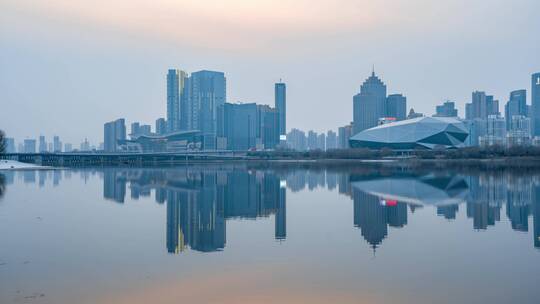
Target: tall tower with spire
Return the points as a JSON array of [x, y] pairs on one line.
[[280, 95], [370, 104]]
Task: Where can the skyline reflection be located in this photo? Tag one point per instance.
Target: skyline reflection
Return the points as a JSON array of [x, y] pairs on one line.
[[201, 199]]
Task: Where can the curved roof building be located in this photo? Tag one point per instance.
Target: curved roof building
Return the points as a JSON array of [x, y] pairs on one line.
[[178, 141], [422, 132]]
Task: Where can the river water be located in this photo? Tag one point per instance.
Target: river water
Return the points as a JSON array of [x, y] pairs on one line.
[[235, 234]]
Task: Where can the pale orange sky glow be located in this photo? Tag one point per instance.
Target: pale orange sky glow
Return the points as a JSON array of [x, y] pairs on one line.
[[233, 24], [101, 60]]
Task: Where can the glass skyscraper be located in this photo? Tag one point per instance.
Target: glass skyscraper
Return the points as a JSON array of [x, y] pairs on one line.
[[447, 109], [247, 126], [205, 93], [238, 125], [535, 101], [481, 106], [175, 89], [396, 106], [516, 105], [113, 131], [370, 104], [280, 95]]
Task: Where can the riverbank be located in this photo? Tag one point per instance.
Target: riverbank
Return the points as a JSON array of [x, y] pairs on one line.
[[503, 163], [308, 159], [15, 165]]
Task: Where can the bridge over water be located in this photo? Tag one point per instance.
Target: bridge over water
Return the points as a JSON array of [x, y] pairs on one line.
[[123, 159]]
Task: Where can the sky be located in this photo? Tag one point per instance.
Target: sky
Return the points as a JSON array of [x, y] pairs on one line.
[[67, 67]]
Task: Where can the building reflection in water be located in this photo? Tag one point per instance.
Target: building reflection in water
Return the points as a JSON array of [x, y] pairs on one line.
[[114, 188], [373, 215], [2, 185], [200, 201], [380, 202]]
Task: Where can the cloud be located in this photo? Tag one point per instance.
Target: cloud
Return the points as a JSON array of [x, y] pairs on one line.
[[232, 25]]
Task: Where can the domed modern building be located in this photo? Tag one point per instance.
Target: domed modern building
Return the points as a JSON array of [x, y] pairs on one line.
[[422, 132]]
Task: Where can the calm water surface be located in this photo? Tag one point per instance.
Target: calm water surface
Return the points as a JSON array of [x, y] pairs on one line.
[[237, 235]]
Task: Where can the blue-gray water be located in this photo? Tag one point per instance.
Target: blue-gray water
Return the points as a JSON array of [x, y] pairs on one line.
[[233, 235]]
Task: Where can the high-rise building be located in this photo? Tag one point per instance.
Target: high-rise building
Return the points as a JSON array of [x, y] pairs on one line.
[[296, 140], [205, 93], [396, 106], [472, 108], [109, 137], [331, 140], [145, 130], [481, 106], [495, 131], [68, 148], [85, 145], [447, 109], [10, 145], [477, 129], [237, 126], [161, 126], [247, 126], [535, 103], [268, 127], [519, 131], [516, 105], [492, 106], [412, 114], [57, 144], [321, 141], [311, 140], [468, 111], [135, 129], [114, 131], [175, 89], [280, 96], [42, 144], [496, 126], [29, 146], [369, 105], [344, 133]]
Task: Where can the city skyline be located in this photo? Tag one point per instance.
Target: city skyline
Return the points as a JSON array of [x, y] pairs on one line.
[[292, 151], [102, 74], [187, 106]]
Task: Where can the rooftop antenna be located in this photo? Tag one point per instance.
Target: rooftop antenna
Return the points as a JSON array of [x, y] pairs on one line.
[[373, 70]]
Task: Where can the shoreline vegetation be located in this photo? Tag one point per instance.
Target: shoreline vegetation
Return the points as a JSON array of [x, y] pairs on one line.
[[489, 157], [494, 156], [477, 153]]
